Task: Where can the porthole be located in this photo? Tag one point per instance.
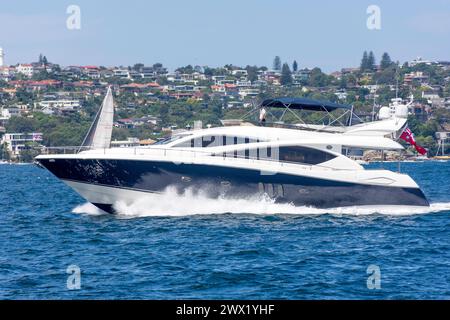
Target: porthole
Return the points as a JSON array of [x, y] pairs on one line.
[[329, 147]]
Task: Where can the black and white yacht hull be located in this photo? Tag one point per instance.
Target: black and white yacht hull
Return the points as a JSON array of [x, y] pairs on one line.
[[103, 182]]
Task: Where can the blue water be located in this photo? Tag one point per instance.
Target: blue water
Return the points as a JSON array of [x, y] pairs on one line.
[[230, 256]]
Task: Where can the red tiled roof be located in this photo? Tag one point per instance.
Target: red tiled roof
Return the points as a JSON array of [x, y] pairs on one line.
[[89, 67]]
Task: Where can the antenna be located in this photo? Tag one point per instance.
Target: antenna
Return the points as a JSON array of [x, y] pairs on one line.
[[374, 100]]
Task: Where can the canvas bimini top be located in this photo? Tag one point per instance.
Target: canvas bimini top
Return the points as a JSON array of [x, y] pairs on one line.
[[303, 104]]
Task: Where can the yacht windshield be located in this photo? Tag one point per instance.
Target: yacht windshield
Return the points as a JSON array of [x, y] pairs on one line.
[[168, 140]]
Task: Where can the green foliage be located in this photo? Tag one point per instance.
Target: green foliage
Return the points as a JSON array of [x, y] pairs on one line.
[[21, 124], [277, 63], [252, 73], [186, 69], [386, 61], [286, 75], [387, 75], [371, 62], [318, 79], [29, 153], [367, 62]]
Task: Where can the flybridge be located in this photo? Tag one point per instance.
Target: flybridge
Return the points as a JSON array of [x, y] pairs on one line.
[[304, 104], [295, 107]]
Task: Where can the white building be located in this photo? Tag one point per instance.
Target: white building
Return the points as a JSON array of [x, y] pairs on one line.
[[16, 142], [130, 142], [122, 73], [7, 113], [248, 92], [419, 60], [26, 69], [66, 104]]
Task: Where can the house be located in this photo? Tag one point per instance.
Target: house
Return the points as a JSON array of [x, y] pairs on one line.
[[341, 94], [239, 73], [419, 60], [415, 76], [430, 94], [243, 83], [7, 113], [6, 73], [216, 79], [124, 123], [9, 91], [235, 104], [25, 69], [248, 92], [122, 73], [61, 104], [217, 88], [373, 88], [16, 142], [336, 74], [92, 72], [345, 71], [42, 85], [130, 142]]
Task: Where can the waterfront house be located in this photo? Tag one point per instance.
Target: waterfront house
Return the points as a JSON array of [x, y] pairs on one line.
[[16, 142]]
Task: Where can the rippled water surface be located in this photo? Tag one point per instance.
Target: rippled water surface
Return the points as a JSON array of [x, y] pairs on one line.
[[190, 247]]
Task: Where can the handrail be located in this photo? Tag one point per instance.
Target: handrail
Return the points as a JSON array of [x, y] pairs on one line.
[[195, 153]]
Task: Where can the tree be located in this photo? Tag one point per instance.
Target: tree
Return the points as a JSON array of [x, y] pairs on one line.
[[44, 61], [187, 69], [21, 124], [447, 90], [343, 82], [371, 62], [252, 73], [277, 63], [40, 58], [386, 61], [4, 154], [138, 66], [317, 78], [294, 66], [286, 75], [364, 62]]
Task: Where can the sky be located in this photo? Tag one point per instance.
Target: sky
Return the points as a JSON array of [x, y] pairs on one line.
[[323, 33]]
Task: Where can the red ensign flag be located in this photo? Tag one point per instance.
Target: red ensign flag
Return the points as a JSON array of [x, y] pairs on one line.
[[408, 136]]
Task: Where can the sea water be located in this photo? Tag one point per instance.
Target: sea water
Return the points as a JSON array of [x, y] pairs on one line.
[[54, 245]]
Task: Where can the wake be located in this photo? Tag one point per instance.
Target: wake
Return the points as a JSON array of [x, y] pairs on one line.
[[170, 203]]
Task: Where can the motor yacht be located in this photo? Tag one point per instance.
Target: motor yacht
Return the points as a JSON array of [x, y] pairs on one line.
[[299, 163]]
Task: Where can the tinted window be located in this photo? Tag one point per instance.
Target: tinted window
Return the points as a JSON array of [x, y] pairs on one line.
[[304, 155], [214, 141], [286, 154]]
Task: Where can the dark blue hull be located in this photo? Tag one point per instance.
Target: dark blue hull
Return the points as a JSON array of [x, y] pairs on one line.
[[152, 176]]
